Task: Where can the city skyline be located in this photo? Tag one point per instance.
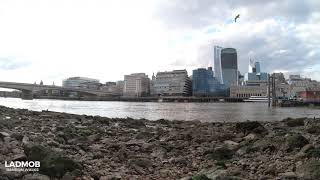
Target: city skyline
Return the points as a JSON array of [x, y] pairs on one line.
[[54, 40]]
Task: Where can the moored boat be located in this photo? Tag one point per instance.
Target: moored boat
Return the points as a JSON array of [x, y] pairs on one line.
[[257, 99]]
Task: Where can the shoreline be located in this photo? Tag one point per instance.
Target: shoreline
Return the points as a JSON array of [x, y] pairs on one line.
[[180, 99], [169, 99], [104, 148]]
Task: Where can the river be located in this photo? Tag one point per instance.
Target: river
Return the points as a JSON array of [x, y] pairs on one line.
[[173, 111]]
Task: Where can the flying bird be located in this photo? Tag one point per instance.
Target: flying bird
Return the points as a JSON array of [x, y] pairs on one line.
[[235, 19]]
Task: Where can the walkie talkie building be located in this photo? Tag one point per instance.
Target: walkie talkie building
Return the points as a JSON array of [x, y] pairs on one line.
[[229, 66], [226, 65]]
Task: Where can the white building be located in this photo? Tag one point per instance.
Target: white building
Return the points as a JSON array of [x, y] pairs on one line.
[[81, 82], [171, 83], [298, 84], [217, 64], [136, 85]]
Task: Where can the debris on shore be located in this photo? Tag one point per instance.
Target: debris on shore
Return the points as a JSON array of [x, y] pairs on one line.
[[92, 147]]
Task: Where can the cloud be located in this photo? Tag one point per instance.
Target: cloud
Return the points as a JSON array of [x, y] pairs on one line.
[[280, 34], [108, 39], [195, 14], [12, 64]]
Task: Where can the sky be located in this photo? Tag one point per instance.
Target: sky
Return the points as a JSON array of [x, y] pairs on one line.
[[52, 40]]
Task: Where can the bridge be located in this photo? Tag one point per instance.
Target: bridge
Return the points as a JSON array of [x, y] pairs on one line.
[[28, 89]]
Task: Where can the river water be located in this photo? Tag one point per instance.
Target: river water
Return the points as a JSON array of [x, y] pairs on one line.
[[173, 111]]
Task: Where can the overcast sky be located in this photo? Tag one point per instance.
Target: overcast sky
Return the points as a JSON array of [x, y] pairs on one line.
[[51, 40]]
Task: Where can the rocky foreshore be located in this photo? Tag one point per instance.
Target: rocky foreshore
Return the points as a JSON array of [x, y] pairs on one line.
[[91, 147]]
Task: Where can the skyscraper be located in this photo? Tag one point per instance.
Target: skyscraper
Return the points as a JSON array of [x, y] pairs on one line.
[[254, 74], [217, 64], [204, 84], [226, 66], [229, 66], [257, 65]]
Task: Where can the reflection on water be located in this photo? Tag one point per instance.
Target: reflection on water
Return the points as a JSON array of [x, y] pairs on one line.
[[172, 111]]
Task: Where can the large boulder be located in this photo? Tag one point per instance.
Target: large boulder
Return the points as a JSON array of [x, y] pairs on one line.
[[294, 122], [314, 130], [52, 163], [251, 127], [200, 177], [309, 170], [296, 141], [220, 153]]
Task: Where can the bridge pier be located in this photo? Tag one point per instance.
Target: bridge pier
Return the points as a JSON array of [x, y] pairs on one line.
[[27, 95]]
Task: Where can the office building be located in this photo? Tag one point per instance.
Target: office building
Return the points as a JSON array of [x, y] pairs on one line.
[[254, 74], [310, 95], [298, 84], [248, 91], [108, 87], [136, 85], [217, 64], [226, 66], [205, 84], [81, 82], [119, 87], [279, 78], [171, 83]]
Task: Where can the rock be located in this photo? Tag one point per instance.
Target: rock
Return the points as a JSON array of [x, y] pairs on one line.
[[241, 151], [296, 141], [250, 127], [133, 123], [53, 143], [141, 162], [180, 161], [314, 130], [35, 177], [53, 163], [231, 144], [294, 122], [10, 175], [7, 139], [288, 175], [250, 136], [68, 176], [309, 170], [4, 134], [220, 153], [140, 149], [159, 152], [216, 174], [315, 152], [19, 157], [272, 170], [186, 178], [17, 136], [25, 140], [200, 177], [144, 135], [93, 138], [306, 148], [111, 177]]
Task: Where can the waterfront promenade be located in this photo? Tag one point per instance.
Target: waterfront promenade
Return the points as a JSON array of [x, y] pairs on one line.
[[97, 147]]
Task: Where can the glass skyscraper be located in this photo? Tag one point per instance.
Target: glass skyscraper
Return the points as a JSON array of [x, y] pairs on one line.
[[205, 84], [254, 73], [217, 63], [226, 66], [229, 66]]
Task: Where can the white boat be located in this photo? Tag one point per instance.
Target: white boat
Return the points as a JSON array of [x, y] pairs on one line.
[[257, 99]]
